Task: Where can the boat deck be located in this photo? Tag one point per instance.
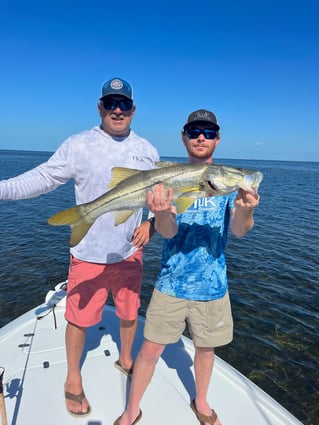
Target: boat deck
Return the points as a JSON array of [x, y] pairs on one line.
[[32, 351]]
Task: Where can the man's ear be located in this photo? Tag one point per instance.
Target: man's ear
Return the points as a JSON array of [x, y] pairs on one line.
[[217, 141], [99, 107]]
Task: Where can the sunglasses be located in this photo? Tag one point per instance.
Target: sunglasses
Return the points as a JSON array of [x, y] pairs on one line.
[[208, 133], [123, 104]]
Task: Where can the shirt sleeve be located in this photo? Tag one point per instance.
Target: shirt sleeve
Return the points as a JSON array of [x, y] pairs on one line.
[[41, 179]]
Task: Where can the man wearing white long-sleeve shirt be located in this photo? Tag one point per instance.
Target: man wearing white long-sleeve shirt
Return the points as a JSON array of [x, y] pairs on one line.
[[108, 258]]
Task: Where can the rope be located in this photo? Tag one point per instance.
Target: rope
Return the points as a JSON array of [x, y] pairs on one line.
[[48, 312]]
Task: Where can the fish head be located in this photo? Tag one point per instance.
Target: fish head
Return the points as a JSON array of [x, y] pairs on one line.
[[221, 180]]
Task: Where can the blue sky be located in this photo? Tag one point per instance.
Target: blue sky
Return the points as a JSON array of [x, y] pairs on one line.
[[253, 63]]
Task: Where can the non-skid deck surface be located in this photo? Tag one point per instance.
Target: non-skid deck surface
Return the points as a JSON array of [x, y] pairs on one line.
[[35, 373]]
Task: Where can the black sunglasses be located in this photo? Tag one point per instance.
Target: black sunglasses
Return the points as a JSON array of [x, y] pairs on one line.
[[208, 133], [111, 104]]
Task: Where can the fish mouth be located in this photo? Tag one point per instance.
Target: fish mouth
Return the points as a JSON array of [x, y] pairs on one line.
[[212, 186]]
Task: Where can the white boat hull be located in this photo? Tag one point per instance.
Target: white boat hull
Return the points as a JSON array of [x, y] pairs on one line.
[[32, 351]]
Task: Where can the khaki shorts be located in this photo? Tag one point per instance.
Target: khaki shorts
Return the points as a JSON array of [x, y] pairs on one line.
[[89, 285], [210, 322]]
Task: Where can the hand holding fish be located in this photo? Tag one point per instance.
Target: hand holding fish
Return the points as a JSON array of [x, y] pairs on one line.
[[159, 202], [246, 199]]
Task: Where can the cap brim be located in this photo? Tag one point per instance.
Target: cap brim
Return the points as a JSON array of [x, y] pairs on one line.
[[208, 123], [115, 94]]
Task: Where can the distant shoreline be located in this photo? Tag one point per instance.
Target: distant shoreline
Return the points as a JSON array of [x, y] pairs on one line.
[[180, 158]]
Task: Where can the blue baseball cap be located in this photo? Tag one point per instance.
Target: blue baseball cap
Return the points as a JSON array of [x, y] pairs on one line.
[[117, 86]]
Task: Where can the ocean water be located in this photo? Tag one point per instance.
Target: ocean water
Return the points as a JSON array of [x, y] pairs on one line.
[[273, 273]]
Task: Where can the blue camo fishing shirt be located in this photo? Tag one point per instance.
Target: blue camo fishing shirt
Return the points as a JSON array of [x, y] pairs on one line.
[[193, 262]]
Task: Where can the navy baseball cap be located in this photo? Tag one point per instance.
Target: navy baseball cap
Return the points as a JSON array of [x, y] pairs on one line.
[[117, 86]]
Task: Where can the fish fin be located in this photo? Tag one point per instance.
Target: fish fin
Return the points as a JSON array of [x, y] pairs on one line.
[[162, 164], [194, 194], [79, 230], [71, 217], [187, 191], [122, 216], [119, 174], [182, 204]]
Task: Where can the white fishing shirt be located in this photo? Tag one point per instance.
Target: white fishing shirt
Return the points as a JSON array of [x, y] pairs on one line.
[[88, 158]]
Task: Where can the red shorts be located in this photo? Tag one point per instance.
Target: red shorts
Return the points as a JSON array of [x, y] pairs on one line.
[[89, 285]]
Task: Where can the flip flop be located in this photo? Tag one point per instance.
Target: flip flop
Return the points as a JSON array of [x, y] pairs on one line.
[[127, 372], [139, 417], [204, 418], [78, 398]]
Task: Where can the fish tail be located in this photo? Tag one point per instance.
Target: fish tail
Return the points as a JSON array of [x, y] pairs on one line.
[[79, 230], [69, 216], [73, 218]]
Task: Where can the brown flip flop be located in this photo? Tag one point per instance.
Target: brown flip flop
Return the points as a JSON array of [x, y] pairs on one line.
[[117, 422], [204, 418], [78, 398], [127, 372]]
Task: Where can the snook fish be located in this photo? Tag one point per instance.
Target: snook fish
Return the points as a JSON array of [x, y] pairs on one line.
[[128, 191]]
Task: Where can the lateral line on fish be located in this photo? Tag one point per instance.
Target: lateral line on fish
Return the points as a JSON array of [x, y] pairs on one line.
[[188, 181]]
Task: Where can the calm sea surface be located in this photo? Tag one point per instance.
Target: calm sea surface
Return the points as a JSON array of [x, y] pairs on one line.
[[273, 274]]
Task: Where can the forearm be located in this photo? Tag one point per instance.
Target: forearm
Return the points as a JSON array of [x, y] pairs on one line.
[[42, 179], [242, 221], [28, 185], [165, 224]]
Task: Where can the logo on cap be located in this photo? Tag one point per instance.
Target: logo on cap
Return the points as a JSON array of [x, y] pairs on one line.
[[116, 84], [202, 114]]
